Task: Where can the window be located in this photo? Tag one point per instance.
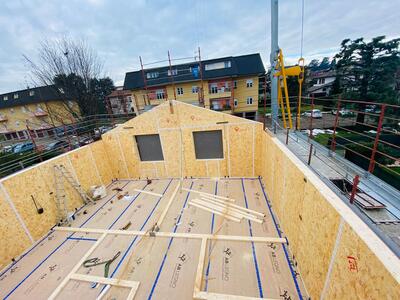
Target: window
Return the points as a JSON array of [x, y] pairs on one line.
[[218, 65], [214, 88], [208, 144], [249, 100], [16, 123], [61, 90], [173, 72], [5, 98], [195, 89], [149, 147], [160, 94], [321, 81], [195, 71], [179, 90], [249, 83], [152, 75], [31, 93], [12, 110], [235, 84], [23, 109], [70, 104], [16, 96], [235, 102]]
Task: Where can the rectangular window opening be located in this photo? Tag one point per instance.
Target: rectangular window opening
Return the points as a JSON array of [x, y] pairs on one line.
[[208, 144], [149, 147]]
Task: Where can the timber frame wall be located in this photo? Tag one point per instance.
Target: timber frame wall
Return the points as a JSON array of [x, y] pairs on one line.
[[338, 255]]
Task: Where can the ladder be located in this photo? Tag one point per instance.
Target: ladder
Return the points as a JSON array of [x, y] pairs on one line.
[[61, 201]]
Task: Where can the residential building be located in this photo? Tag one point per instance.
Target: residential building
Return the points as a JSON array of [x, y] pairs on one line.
[[120, 102], [321, 83], [229, 84], [38, 110]]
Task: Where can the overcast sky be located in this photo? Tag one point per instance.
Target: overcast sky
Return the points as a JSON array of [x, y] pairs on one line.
[[120, 31]]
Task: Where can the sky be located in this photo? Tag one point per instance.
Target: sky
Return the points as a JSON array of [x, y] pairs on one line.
[[121, 31]]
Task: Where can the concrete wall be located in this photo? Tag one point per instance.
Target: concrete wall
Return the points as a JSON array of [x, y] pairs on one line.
[[338, 255], [241, 147], [20, 225]]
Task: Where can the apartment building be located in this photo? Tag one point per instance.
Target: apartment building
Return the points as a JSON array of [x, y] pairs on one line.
[[38, 110], [228, 84]]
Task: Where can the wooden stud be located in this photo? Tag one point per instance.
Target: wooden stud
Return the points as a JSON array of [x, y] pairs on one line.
[[171, 199], [217, 212], [240, 208]]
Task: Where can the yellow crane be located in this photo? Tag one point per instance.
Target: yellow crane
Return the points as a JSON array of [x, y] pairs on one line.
[[282, 73]]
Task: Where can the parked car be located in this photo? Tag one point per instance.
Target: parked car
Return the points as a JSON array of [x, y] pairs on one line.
[[61, 131], [58, 145], [86, 141], [343, 112], [24, 147], [315, 113]]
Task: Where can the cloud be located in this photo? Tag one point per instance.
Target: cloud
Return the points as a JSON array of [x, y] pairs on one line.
[[121, 31]]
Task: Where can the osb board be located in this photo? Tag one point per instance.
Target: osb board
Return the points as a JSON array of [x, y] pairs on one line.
[[102, 161], [259, 133], [13, 236], [318, 230], [358, 273], [20, 188], [267, 171], [85, 168], [185, 119], [117, 162]]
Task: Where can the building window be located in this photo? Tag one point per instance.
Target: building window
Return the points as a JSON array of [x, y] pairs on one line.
[[5, 98], [249, 83], [235, 102], [149, 147], [249, 100], [23, 109], [160, 94], [218, 65], [195, 89], [321, 81], [173, 72], [61, 90], [152, 75], [70, 104], [208, 144], [214, 88], [179, 90], [16, 123], [16, 96], [12, 110], [31, 93], [235, 84]]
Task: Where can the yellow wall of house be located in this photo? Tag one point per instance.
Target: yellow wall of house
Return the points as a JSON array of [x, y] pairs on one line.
[[240, 93], [18, 117]]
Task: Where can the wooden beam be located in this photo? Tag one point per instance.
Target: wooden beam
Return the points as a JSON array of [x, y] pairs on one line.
[[216, 296], [104, 280], [171, 199], [76, 267], [147, 192], [241, 208], [226, 210], [215, 197], [177, 235], [217, 212], [207, 194], [241, 213], [200, 267]]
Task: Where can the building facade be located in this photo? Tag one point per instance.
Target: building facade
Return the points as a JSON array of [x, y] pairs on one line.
[[228, 84], [322, 82], [34, 111]]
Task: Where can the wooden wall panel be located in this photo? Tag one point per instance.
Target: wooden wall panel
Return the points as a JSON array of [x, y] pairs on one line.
[[117, 162], [84, 168], [102, 161], [13, 237]]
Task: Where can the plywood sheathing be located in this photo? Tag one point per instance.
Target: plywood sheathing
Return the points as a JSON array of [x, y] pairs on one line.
[[309, 214], [241, 142], [14, 240], [38, 181]]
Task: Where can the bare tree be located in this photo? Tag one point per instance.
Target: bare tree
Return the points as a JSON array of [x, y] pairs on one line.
[[73, 69]]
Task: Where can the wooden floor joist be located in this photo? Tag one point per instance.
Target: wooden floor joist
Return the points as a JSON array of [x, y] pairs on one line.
[[216, 211], [148, 192], [240, 208]]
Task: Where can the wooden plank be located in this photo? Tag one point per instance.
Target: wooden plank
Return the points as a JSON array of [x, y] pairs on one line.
[[104, 280], [171, 199], [177, 235], [207, 194], [214, 197], [241, 208], [200, 266], [228, 210], [216, 296], [148, 192], [225, 215], [76, 267]]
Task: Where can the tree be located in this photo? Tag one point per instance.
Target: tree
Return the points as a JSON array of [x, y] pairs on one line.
[[366, 71], [73, 69]]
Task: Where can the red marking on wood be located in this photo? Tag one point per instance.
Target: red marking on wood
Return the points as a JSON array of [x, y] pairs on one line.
[[352, 263], [192, 117], [236, 128]]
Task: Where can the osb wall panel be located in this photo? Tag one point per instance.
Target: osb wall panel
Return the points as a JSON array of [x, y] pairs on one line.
[[102, 162], [13, 238], [310, 220], [84, 168], [117, 162], [179, 126], [358, 273]]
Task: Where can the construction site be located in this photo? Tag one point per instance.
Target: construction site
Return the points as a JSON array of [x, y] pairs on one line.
[[186, 215]]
